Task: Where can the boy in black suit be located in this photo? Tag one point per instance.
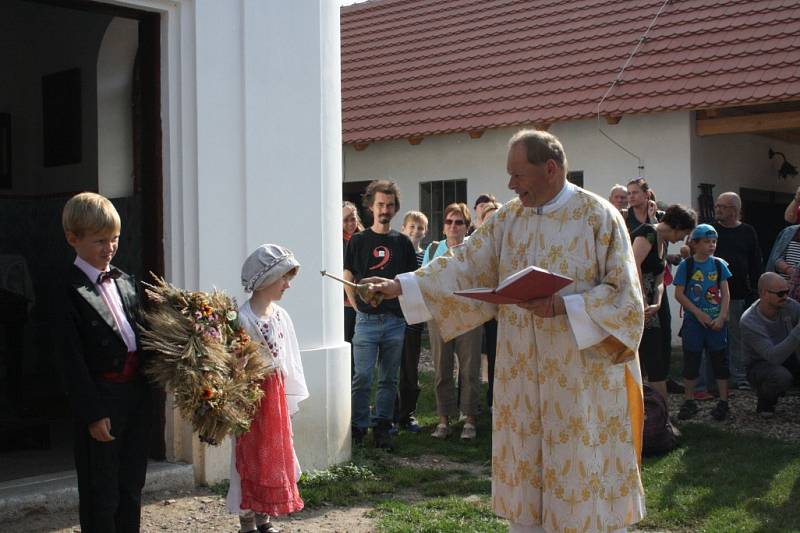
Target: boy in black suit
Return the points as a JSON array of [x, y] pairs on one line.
[[109, 397]]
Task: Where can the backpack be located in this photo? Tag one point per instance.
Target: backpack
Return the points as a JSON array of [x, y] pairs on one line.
[[690, 268], [659, 435]]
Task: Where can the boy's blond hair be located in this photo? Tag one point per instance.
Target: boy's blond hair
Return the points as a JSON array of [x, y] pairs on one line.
[[416, 216], [89, 212]]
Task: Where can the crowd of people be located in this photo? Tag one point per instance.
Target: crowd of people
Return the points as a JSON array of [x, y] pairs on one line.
[[716, 275], [379, 335], [738, 317]]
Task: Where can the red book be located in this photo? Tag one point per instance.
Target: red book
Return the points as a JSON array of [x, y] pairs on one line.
[[529, 283]]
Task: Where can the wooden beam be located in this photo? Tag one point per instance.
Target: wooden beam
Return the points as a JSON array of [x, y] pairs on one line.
[[415, 139], [475, 134], [611, 120], [748, 123], [360, 147]]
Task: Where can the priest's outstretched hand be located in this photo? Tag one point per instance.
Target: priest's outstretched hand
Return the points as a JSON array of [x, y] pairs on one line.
[[390, 288]]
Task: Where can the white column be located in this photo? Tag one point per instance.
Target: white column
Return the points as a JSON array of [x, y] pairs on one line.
[[293, 195]]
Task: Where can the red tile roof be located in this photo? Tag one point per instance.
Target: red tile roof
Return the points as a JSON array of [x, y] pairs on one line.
[[426, 67]]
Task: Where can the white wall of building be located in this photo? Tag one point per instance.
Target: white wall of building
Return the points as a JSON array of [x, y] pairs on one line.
[[741, 160], [481, 162], [661, 140]]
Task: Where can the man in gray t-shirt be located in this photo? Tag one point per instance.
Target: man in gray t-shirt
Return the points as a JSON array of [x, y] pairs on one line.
[[770, 342]]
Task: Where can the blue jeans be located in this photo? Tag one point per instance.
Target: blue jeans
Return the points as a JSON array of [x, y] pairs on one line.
[[377, 338]]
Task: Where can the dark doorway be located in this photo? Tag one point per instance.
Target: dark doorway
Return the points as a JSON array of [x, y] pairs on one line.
[[764, 211], [35, 424]]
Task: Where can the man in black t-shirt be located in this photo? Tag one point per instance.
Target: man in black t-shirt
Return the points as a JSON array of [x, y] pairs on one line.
[[377, 251], [738, 245]]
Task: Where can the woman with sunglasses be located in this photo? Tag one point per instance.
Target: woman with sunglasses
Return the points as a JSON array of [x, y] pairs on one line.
[[467, 346]]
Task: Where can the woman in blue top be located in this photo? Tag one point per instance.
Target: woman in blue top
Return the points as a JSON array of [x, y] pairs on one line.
[[467, 347]]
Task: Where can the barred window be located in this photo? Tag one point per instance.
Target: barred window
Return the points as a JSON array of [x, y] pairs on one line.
[[434, 196]]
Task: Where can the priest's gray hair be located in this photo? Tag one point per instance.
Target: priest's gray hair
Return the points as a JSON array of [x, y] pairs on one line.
[[540, 146], [266, 265]]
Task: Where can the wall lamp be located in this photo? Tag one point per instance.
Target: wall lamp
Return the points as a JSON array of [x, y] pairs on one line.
[[787, 169]]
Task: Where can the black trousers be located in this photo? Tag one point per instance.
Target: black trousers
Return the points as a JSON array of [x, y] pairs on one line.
[[111, 474], [665, 320], [653, 359], [490, 340], [408, 384]]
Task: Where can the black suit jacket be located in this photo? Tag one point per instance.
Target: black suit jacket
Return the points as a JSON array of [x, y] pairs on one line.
[[91, 343]]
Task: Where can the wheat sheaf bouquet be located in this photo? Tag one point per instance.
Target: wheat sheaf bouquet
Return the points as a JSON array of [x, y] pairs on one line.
[[204, 357]]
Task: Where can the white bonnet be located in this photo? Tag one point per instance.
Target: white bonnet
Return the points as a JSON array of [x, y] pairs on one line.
[[266, 265]]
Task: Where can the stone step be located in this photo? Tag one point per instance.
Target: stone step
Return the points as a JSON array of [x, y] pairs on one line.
[[49, 493]]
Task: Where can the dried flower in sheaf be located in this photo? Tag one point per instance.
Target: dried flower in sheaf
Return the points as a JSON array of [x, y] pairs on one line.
[[204, 357]]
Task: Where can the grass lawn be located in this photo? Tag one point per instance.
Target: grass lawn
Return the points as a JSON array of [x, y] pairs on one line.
[[715, 482]]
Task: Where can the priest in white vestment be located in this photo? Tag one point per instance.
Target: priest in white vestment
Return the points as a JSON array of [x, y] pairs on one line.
[[568, 410]]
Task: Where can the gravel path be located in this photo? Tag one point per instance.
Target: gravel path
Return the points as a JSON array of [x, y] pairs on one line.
[[742, 417], [202, 511]]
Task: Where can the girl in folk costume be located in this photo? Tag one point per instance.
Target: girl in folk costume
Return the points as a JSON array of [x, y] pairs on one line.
[[264, 467]]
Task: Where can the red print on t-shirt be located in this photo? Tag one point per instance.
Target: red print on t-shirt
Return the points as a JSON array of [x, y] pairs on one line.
[[384, 254]]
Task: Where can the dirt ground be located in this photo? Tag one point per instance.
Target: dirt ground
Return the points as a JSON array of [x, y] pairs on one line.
[[202, 511]]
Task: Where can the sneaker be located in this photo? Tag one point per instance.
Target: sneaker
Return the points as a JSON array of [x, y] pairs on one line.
[[441, 431], [743, 385], [673, 387], [764, 409], [412, 426], [688, 410], [469, 432], [703, 396], [268, 528], [720, 411]]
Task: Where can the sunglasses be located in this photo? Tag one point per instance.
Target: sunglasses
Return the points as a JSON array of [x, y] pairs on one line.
[[456, 222], [779, 294]]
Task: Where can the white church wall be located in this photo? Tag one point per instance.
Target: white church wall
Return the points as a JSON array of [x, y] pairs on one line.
[[252, 155]]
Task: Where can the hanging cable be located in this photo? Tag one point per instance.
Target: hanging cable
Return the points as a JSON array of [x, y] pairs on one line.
[[618, 79]]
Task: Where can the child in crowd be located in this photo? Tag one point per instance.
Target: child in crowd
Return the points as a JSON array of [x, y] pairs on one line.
[[109, 397], [415, 226], [701, 287], [264, 467]]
